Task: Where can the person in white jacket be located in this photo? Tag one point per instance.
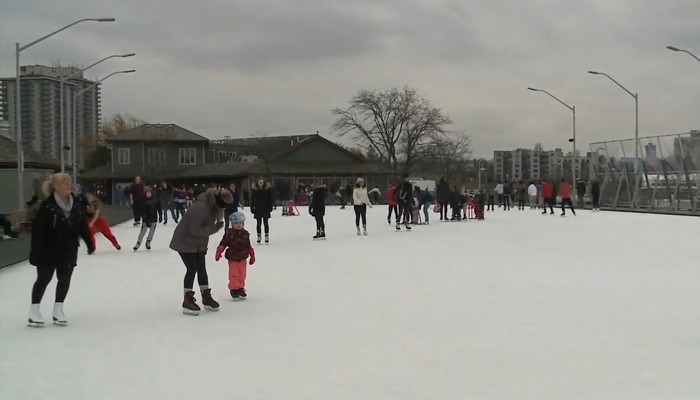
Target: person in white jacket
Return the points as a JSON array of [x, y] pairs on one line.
[[360, 202], [532, 192], [499, 193]]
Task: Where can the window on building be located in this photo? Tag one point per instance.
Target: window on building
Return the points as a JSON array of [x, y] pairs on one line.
[[188, 156], [232, 155], [124, 155], [222, 157], [156, 156]]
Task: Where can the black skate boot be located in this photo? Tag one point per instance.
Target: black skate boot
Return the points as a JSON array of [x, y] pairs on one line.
[[398, 226], [242, 293], [209, 303], [235, 295], [323, 233], [189, 305], [318, 234], [267, 238], [148, 244], [259, 238], [137, 245]]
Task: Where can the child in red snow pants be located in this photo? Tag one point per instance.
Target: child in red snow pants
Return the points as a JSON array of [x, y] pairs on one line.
[[236, 274], [101, 225]]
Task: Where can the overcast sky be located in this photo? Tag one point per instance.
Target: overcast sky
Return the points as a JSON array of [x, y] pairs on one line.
[[233, 67]]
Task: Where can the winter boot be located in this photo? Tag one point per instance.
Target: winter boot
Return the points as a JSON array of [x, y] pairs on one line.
[[209, 303], [318, 234], [364, 230], [137, 245], [35, 320], [267, 238], [58, 317], [235, 295], [358, 231], [242, 293], [189, 305], [259, 238], [323, 233], [148, 244]]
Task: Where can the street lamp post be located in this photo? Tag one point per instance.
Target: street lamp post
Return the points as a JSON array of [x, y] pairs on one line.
[[573, 139], [18, 106], [75, 117], [480, 169], [67, 106], [636, 129], [683, 51]]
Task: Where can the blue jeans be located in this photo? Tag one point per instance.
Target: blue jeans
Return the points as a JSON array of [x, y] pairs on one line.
[[426, 211]]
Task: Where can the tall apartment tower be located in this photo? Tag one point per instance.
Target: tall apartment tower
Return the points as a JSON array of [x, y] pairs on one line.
[[41, 118], [533, 165]]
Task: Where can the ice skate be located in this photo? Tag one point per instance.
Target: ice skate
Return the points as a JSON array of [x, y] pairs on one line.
[[364, 230], [358, 231], [209, 303], [243, 295], [235, 295], [259, 238], [58, 317], [35, 320], [323, 234], [189, 305], [148, 245], [318, 234], [398, 226], [137, 245], [267, 238]]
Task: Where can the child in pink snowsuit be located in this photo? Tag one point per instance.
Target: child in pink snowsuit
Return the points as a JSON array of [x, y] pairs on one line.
[[236, 243]]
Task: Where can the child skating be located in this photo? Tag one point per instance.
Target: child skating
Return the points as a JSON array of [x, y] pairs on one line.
[[237, 247], [150, 220]]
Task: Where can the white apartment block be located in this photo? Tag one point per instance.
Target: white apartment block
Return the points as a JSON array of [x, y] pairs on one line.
[[534, 165], [41, 118]]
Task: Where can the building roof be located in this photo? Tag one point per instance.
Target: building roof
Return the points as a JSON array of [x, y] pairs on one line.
[[8, 156], [158, 133], [268, 146]]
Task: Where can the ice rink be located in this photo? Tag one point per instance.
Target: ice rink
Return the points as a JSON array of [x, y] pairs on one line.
[[519, 306]]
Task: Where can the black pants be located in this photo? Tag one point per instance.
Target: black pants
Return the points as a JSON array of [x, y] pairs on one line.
[[44, 275], [168, 206], [6, 225], [195, 264], [137, 208], [404, 213], [521, 203], [227, 215], [320, 225], [395, 209], [547, 201], [596, 200], [262, 220], [491, 205], [360, 213], [443, 210], [564, 202], [506, 202], [179, 211]]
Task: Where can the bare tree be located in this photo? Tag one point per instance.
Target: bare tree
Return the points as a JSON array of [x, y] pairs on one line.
[[397, 125], [98, 152], [451, 152]]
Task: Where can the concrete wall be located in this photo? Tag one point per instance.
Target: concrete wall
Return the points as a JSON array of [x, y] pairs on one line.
[[32, 181]]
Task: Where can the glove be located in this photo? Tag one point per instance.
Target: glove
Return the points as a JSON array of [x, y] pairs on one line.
[[219, 251], [252, 256], [219, 225]]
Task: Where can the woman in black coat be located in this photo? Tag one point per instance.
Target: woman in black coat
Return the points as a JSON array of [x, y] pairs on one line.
[[443, 197], [317, 208], [56, 232], [261, 206]]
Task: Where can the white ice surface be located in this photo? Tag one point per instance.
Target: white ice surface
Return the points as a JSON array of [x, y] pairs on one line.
[[520, 306]]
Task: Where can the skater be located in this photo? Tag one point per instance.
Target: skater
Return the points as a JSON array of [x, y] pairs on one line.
[[443, 197], [136, 197], [150, 220], [166, 202], [595, 193], [97, 223], [565, 193], [581, 194], [317, 209], [392, 197], [191, 240], [261, 206], [236, 244], [405, 194], [491, 195], [547, 196], [233, 207], [360, 202], [180, 200], [56, 233], [507, 196], [426, 200], [521, 194], [532, 192]]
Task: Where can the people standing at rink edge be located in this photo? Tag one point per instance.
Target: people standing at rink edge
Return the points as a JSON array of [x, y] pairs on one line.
[[317, 209], [191, 240], [56, 232], [137, 198], [360, 202], [261, 206]]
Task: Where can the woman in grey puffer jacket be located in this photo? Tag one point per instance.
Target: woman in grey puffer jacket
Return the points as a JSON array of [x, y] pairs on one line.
[[191, 240]]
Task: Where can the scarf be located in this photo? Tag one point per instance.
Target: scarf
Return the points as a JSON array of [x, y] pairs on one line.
[[63, 206]]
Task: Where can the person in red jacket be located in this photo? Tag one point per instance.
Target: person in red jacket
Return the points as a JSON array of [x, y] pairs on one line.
[[547, 196], [565, 194], [236, 243], [391, 196]]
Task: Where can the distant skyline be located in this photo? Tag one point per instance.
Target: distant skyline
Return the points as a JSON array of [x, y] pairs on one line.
[[239, 68]]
